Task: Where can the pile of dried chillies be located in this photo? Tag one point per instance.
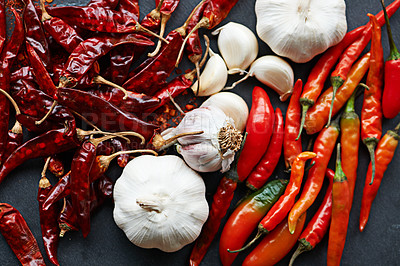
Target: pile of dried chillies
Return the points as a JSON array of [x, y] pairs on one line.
[[54, 70]]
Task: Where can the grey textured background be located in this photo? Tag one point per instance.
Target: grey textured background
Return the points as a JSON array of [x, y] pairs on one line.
[[106, 244]]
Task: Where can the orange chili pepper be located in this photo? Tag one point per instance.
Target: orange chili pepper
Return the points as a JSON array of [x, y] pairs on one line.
[[318, 115]]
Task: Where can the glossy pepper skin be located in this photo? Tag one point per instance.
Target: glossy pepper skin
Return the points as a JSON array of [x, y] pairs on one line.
[[317, 116], [384, 154], [318, 225], [371, 113], [340, 214], [323, 148], [275, 246], [292, 140], [259, 129], [264, 169], [18, 236], [245, 218]]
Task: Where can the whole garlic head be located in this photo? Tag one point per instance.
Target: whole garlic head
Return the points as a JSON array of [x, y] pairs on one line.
[[300, 29], [160, 202]]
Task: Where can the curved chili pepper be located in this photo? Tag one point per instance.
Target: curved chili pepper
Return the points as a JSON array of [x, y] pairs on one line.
[[292, 140], [263, 170], [245, 218], [18, 236], [323, 148], [320, 72], [102, 113], [282, 207], [391, 97], [259, 129], [318, 115], [371, 112], [274, 246], [319, 224], [340, 214], [350, 141], [48, 221], [383, 155]]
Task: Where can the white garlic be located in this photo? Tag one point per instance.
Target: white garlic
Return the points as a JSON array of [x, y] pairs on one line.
[[238, 46], [152, 212], [274, 72], [300, 29], [214, 76], [232, 105]]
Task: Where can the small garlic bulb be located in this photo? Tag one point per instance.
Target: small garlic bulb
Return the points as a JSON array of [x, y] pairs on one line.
[[238, 46], [232, 105], [213, 78], [300, 29], [274, 72]]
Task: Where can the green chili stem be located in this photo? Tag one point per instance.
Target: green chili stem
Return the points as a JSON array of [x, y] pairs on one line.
[[394, 53]]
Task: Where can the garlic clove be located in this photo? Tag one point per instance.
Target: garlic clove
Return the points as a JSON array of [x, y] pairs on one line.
[[232, 105], [300, 29], [213, 78], [238, 46]]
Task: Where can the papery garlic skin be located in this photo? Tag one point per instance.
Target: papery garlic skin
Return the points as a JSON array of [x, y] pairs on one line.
[[300, 29], [238, 46], [232, 105], [160, 202], [214, 76]]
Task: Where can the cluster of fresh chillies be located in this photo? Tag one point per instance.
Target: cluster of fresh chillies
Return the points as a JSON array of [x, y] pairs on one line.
[[274, 209], [67, 64]]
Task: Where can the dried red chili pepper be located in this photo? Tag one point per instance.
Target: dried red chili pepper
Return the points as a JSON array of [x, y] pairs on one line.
[[110, 4], [391, 97], [18, 236], [3, 32], [292, 140], [371, 112], [25, 73], [245, 218], [274, 246], [56, 166], [383, 155], [263, 170], [323, 148], [259, 129], [48, 218], [319, 224], [318, 115], [340, 214], [282, 207]]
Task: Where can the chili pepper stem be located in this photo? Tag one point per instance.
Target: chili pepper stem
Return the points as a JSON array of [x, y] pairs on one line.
[[300, 249], [305, 105], [105, 160], [336, 83], [47, 114], [45, 15], [371, 144], [82, 133], [260, 233], [164, 20], [44, 182], [160, 143], [86, 121], [394, 53], [100, 80], [17, 128], [141, 28]]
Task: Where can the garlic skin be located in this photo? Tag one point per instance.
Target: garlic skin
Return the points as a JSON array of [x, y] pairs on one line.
[[214, 76], [238, 46], [232, 105], [160, 202], [300, 29]]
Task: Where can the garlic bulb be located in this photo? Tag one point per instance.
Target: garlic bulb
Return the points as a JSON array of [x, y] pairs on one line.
[[232, 105], [300, 29], [238, 46], [274, 72], [214, 76], [160, 202]]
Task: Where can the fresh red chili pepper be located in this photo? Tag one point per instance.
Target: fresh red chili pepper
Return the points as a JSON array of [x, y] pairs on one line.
[[102, 113], [383, 155], [318, 115], [319, 224], [323, 148], [292, 140], [275, 246], [390, 98], [259, 129], [263, 170], [350, 142], [281, 208], [48, 219], [18, 236], [340, 214], [245, 218]]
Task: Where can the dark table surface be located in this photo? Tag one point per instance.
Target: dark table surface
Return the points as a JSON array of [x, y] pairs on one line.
[[106, 244]]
